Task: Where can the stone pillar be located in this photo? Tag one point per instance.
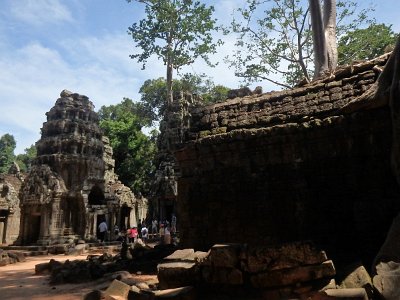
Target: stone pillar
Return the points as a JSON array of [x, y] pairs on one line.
[[2, 232], [132, 218]]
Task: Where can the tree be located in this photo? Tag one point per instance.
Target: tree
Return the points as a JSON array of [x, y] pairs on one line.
[[25, 160], [274, 38], [7, 147], [154, 92], [133, 150], [176, 31], [324, 36], [366, 43]]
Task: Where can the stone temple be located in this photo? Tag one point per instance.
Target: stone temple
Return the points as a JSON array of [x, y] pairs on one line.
[[71, 186]]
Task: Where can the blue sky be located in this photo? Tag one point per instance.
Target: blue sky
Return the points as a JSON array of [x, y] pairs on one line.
[[83, 46]]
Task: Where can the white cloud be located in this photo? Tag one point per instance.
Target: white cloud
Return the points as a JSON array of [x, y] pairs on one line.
[[38, 12]]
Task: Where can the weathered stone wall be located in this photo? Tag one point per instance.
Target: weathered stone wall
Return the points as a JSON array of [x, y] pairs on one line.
[[288, 166]]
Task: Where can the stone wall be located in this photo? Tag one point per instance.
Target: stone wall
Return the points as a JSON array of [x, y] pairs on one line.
[[288, 166]]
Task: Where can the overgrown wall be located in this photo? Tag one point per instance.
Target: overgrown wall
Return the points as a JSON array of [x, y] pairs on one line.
[[290, 166]]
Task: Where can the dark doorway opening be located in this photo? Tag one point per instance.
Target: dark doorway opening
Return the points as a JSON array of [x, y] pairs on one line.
[[34, 229], [96, 196]]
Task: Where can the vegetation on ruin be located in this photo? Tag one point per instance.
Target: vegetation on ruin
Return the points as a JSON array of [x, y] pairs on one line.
[[176, 31], [274, 39], [154, 92], [133, 150]]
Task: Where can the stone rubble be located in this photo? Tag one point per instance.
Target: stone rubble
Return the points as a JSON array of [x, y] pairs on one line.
[[236, 271]]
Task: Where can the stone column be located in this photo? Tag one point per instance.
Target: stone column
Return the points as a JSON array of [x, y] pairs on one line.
[[132, 218]]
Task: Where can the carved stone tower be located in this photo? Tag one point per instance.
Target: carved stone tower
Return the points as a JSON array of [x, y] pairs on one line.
[[71, 185]]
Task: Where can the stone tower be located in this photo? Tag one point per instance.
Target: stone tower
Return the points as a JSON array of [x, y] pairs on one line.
[[71, 185]]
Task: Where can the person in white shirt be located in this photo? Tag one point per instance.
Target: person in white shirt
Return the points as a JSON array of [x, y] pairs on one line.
[[144, 233], [102, 230]]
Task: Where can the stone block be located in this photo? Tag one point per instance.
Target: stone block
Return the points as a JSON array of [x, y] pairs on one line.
[[225, 255], [43, 268], [177, 274], [118, 290], [220, 275], [181, 293], [387, 280], [185, 254], [353, 294], [358, 277], [292, 276], [291, 255]]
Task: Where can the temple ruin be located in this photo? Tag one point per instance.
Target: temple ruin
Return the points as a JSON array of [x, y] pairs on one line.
[[313, 162], [71, 186], [9, 204]]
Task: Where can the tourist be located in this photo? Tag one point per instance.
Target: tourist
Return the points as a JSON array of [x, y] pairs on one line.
[[144, 233], [133, 234], [116, 231], [167, 235], [154, 226], [102, 230], [162, 231], [173, 224]]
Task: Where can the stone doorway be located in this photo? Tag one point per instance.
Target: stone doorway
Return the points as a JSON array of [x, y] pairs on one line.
[[3, 226], [33, 229]]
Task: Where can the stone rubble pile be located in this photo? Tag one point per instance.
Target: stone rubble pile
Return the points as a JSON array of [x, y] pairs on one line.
[[10, 257], [235, 271]]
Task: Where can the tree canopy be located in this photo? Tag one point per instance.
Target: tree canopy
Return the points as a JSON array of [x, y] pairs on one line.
[[274, 39], [7, 147], [25, 160], [365, 43], [133, 150], [176, 31], [154, 91]]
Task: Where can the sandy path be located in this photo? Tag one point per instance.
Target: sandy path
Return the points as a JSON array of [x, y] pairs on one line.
[[18, 281]]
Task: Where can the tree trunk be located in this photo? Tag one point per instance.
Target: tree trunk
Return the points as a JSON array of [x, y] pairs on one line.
[[170, 69], [330, 33], [320, 51]]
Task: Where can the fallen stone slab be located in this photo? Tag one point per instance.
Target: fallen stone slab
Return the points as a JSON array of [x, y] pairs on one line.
[[357, 277], [224, 255], [353, 294], [258, 259], [118, 290], [387, 280], [184, 254], [293, 275], [181, 293], [177, 274]]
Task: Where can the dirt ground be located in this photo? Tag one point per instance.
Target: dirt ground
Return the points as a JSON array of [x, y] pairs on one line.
[[18, 281]]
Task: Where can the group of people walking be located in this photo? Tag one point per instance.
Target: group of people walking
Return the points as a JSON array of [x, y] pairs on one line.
[[163, 229]]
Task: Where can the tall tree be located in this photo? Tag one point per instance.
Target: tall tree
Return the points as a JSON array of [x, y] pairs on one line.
[[7, 147], [177, 31], [324, 36], [133, 150], [25, 160], [274, 38], [366, 43]]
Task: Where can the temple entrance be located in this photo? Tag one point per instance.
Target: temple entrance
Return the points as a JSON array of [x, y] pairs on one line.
[[3, 225], [100, 218], [33, 229]]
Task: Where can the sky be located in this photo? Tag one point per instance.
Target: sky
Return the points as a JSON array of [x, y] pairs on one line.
[[83, 46]]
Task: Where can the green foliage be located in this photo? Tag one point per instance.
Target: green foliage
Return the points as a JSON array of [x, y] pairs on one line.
[[367, 43], [7, 147], [25, 160], [133, 150], [274, 40], [154, 91], [176, 31]]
